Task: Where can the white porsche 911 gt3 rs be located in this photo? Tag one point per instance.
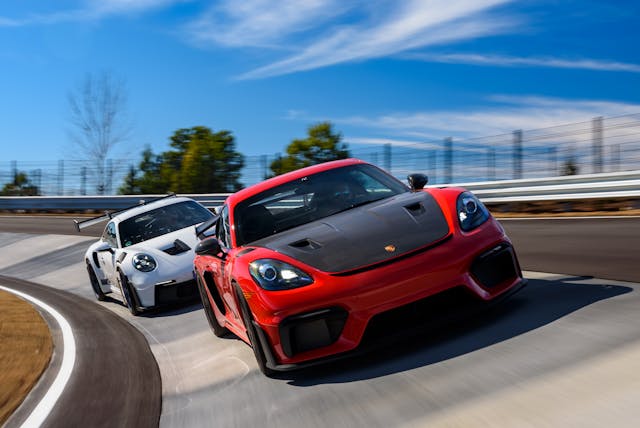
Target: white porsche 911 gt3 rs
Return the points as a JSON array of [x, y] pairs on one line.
[[146, 253]]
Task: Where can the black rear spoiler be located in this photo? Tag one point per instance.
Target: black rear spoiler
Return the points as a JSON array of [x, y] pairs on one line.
[[206, 225], [109, 214]]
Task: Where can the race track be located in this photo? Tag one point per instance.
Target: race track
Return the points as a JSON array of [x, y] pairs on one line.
[[565, 351]]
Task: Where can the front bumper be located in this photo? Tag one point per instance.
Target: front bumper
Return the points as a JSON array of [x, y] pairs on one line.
[[332, 316], [379, 334]]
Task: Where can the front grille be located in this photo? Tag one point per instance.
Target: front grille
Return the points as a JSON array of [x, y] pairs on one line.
[[173, 293], [496, 266], [423, 314]]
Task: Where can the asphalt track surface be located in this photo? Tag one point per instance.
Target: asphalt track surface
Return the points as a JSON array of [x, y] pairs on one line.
[[115, 381], [539, 359]]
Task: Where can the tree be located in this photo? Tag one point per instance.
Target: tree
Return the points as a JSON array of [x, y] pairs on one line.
[[321, 145], [21, 186], [98, 117], [202, 161]]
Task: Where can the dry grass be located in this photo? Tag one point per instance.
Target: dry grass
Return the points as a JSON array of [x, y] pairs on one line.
[[25, 351]]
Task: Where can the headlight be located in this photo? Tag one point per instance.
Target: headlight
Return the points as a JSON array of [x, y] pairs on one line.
[[471, 212], [144, 262], [276, 275]]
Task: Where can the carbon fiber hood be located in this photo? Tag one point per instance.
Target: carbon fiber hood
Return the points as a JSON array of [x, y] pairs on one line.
[[364, 235]]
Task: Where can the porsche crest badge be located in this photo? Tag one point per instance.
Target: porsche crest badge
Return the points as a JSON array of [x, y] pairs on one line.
[[390, 248]]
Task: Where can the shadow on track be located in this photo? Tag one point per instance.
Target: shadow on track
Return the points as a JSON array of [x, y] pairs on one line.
[[540, 303]]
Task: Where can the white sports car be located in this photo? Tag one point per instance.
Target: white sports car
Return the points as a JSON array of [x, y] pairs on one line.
[[146, 253]]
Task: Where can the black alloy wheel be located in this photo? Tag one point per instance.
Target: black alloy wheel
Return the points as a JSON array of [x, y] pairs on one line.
[[128, 294], [217, 329], [95, 283], [247, 319]]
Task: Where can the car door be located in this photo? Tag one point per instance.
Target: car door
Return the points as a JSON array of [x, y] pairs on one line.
[[221, 267], [107, 257]]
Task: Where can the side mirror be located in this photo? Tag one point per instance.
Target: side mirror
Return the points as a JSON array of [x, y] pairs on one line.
[[417, 181], [208, 247], [104, 246]]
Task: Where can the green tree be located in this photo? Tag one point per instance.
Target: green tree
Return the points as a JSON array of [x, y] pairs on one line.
[[201, 161], [321, 145], [21, 186]]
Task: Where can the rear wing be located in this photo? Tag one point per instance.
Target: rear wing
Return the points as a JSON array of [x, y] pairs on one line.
[[109, 214], [204, 226]]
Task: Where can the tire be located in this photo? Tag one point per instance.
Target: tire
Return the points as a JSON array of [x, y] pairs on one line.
[[217, 329], [247, 319], [128, 294], [95, 283]]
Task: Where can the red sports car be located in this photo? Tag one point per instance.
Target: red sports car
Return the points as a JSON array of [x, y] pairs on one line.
[[302, 263]]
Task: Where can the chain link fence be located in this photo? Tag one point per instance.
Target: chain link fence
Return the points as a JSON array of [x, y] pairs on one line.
[[600, 145]]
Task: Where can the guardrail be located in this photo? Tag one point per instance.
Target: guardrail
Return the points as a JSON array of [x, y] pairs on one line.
[[92, 203], [622, 185], [568, 188]]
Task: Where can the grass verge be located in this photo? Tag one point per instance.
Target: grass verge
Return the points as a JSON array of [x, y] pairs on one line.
[[25, 351]]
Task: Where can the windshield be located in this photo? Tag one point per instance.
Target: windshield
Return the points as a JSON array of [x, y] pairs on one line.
[[161, 221], [311, 198]]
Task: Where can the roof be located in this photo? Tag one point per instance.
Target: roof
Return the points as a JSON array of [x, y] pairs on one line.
[[290, 176], [148, 207]]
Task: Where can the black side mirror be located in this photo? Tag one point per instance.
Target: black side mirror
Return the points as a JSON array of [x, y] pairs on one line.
[[208, 247], [417, 181]]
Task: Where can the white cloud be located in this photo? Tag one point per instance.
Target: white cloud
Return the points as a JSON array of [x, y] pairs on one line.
[[90, 10], [507, 114], [329, 32], [260, 23], [511, 61]]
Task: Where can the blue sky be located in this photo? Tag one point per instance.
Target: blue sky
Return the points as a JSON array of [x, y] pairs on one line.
[[382, 71]]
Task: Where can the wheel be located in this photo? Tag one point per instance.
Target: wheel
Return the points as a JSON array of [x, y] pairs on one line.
[[247, 319], [217, 329], [95, 283], [128, 294]]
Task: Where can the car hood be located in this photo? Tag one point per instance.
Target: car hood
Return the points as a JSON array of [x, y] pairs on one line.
[[172, 244], [364, 235]]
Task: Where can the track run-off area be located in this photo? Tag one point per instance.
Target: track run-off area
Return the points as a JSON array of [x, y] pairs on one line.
[[564, 351]]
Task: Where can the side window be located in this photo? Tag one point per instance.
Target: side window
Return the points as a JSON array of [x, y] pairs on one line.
[[109, 235], [222, 228]]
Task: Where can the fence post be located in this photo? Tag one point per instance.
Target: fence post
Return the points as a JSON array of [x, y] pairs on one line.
[[491, 164], [553, 159], [448, 160], [597, 144], [109, 184], [14, 171], [61, 177], [263, 166], [83, 180], [387, 157], [517, 154], [37, 180], [433, 166]]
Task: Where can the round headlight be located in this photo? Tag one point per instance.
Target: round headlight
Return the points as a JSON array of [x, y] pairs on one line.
[[268, 272], [144, 262], [273, 274], [471, 212]]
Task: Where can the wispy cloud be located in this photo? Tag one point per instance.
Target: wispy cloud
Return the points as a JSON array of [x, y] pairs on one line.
[[262, 23], [507, 114], [90, 10], [512, 61], [328, 32]]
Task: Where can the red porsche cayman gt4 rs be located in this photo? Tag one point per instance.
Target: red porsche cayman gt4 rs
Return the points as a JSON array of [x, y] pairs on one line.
[[301, 264]]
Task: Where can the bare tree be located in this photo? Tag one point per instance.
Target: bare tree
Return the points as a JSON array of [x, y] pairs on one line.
[[99, 120]]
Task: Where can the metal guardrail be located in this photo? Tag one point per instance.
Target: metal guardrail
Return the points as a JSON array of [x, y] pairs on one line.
[[570, 188], [92, 203]]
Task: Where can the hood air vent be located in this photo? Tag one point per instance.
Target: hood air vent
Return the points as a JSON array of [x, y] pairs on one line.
[[178, 247]]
